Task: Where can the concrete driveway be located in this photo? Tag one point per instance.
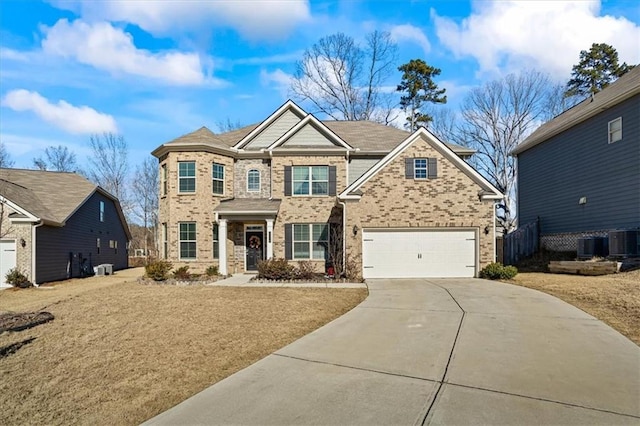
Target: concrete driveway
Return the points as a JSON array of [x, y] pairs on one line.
[[436, 351]]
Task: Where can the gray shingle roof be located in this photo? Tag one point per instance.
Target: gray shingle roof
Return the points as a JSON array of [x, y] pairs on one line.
[[51, 196], [368, 136], [248, 205], [625, 87]]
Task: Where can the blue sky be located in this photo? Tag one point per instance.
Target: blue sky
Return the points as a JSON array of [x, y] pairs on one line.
[[154, 70]]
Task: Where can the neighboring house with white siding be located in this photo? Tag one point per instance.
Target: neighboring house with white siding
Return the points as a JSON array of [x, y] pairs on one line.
[[405, 203]]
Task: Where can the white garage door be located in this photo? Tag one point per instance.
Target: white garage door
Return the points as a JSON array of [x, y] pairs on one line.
[[418, 253], [7, 258]]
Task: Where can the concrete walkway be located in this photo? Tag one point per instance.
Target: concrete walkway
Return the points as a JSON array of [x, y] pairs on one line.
[[450, 351]]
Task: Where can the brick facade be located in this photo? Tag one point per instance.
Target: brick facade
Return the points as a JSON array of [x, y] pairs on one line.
[[451, 200], [19, 232]]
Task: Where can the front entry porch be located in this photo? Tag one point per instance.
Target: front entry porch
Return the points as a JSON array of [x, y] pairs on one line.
[[248, 223]]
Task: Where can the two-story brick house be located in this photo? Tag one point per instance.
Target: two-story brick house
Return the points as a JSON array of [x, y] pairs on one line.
[[406, 204]]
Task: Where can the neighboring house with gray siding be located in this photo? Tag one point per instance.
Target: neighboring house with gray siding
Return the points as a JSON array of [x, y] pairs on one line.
[[580, 172], [54, 222]]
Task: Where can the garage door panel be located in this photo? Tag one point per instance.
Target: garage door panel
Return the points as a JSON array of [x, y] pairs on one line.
[[419, 253]]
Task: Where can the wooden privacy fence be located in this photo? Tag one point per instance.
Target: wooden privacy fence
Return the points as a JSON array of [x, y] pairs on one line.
[[521, 243]]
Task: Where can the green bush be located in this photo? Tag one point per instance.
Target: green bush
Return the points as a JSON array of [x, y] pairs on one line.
[[182, 273], [306, 270], [497, 271], [276, 269], [158, 270], [17, 279], [212, 271]]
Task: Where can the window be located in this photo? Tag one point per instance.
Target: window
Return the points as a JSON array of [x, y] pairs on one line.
[[218, 179], [615, 130], [163, 176], [101, 211], [216, 242], [98, 245], [420, 168], [311, 241], [253, 180], [187, 240], [115, 246], [165, 243], [187, 176], [310, 180]]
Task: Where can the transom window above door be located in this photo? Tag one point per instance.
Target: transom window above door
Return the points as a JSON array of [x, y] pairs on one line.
[[310, 180]]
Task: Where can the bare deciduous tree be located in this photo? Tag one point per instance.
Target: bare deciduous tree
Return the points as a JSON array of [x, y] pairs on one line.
[[58, 159], [5, 158], [495, 118], [145, 196], [228, 125], [109, 166], [343, 79]]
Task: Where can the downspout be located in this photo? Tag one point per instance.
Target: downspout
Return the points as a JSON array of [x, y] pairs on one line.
[[33, 252], [344, 234]]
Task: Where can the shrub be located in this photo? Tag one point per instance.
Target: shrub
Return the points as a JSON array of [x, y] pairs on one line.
[[158, 270], [306, 270], [17, 279], [276, 269], [182, 273], [212, 271], [497, 271]]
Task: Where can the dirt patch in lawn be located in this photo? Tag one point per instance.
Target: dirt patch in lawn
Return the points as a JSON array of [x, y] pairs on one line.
[[120, 353], [614, 299]]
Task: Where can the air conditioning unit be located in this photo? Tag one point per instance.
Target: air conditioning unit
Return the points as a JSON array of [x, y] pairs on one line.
[[99, 270], [589, 247], [624, 243], [108, 268]]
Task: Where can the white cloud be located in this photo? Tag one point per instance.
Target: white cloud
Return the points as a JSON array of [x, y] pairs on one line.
[[548, 35], [254, 19], [111, 49], [410, 33], [278, 80], [62, 115]]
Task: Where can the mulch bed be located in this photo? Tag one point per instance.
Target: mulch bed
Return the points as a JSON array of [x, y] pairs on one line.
[[23, 320]]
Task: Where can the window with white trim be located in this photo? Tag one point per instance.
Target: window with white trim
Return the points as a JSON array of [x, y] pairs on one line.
[[165, 242], [615, 130], [253, 180], [187, 240], [311, 241], [310, 180], [101, 211], [218, 179], [420, 168], [216, 241], [163, 176], [186, 176]]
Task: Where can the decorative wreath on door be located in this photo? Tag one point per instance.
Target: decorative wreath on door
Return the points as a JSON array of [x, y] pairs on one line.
[[254, 242]]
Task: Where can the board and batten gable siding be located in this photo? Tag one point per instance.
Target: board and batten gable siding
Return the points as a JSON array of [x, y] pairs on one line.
[[79, 235], [358, 166], [579, 162], [276, 129]]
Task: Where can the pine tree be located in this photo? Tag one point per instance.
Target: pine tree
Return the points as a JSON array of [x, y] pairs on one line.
[[418, 87]]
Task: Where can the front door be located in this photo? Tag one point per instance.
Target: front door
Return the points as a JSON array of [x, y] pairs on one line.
[[254, 242]]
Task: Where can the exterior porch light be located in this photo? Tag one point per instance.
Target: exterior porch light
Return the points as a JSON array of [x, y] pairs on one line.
[[355, 230]]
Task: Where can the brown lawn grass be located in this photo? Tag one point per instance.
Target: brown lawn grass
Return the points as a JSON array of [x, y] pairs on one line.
[[120, 353], [614, 299]]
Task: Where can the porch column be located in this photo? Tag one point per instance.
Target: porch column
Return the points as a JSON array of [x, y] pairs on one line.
[[269, 238], [222, 246]]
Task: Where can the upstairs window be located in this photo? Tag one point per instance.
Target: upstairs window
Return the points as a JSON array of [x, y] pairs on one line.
[[310, 180], [101, 211], [187, 176], [163, 175], [421, 168], [615, 130], [253, 180], [218, 179]]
